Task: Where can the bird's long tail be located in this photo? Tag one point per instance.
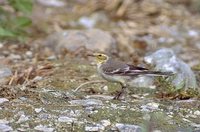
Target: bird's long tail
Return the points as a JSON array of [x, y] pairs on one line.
[[148, 73], [157, 73]]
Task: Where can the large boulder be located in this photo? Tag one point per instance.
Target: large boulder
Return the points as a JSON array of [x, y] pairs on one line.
[[72, 40]]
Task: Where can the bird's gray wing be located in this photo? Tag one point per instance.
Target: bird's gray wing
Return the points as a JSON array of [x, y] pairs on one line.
[[119, 68], [122, 69]]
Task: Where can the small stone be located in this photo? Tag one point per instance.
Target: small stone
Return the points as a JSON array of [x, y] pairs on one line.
[[91, 128], [43, 128], [15, 57], [87, 22], [29, 54], [150, 106], [37, 78], [197, 113], [52, 3], [2, 121], [66, 119], [2, 100], [1, 45], [128, 128], [105, 123], [5, 73], [53, 57], [38, 110], [86, 102], [5, 128], [94, 128], [23, 118]]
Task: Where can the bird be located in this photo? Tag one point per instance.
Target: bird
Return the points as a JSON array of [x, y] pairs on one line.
[[120, 72]]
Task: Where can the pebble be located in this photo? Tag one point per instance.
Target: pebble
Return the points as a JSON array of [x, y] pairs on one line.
[[197, 113], [22, 118], [94, 128], [86, 102], [42, 128], [5, 128], [128, 128], [105, 123], [66, 119], [150, 106], [38, 110], [2, 100]]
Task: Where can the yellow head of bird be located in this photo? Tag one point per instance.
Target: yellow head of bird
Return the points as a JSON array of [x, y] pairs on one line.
[[100, 58]]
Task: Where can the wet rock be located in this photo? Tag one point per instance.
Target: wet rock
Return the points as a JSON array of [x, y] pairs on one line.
[[128, 128], [165, 60], [2, 100], [72, 40], [86, 102], [4, 74], [42, 128]]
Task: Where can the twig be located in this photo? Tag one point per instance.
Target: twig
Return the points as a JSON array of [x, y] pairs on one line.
[[90, 82]]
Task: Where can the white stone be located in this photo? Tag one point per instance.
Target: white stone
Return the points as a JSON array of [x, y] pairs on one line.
[[38, 110], [66, 119], [197, 113], [2, 100], [128, 128], [91, 128], [5, 128], [43, 128], [23, 118], [105, 123]]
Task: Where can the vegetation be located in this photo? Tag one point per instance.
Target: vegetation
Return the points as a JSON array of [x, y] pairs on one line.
[[15, 20]]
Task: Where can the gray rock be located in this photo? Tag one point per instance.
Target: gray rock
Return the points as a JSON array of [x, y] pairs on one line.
[[52, 3], [165, 60], [5, 128], [94, 128], [42, 128], [38, 110], [66, 119], [128, 128], [4, 74], [2, 100], [150, 106], [72, 40], [22, 118], [86, 102]]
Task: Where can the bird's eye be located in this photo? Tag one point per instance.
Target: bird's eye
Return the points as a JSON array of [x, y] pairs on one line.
[[100, 55]]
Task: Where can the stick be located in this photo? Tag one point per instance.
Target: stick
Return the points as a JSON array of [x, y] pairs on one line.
[[90, 82]]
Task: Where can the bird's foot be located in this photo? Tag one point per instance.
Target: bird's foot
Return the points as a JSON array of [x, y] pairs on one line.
[[118, 95]]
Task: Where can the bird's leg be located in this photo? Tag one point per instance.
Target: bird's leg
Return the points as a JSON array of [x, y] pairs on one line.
[[117, 96]]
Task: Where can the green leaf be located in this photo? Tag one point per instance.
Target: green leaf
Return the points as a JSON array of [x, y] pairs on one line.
[[22, 22], [6, 33], [22, 5]]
